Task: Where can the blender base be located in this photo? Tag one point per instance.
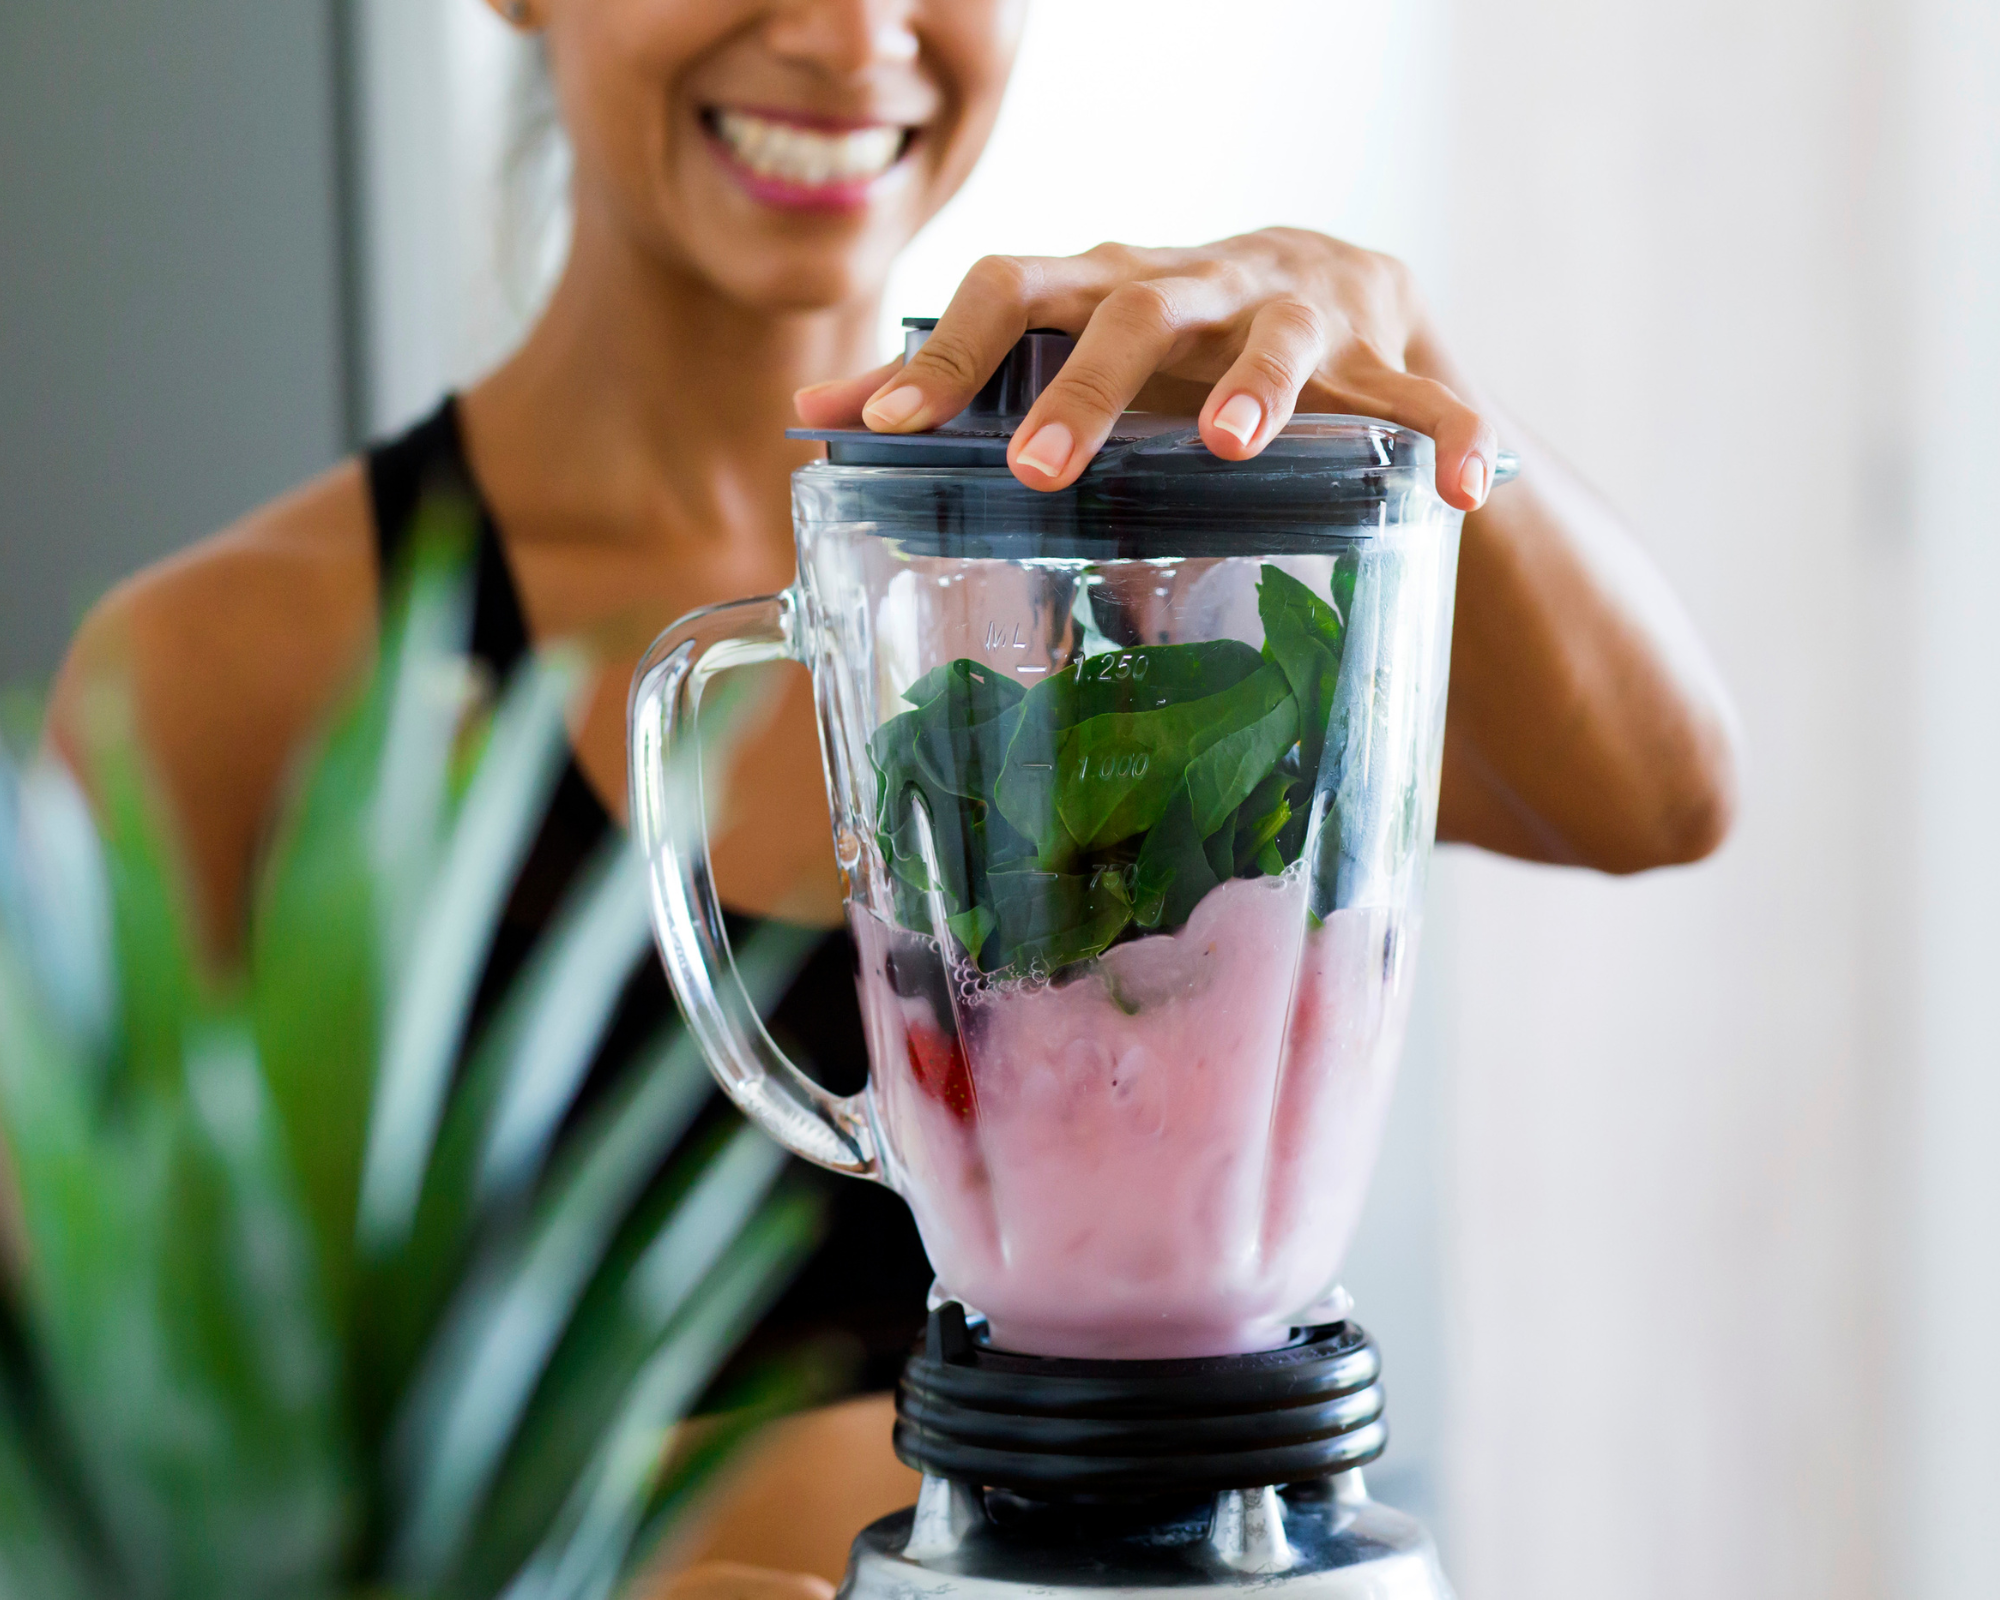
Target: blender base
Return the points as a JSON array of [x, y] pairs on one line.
[[1045, 1475], [1325, 1541]]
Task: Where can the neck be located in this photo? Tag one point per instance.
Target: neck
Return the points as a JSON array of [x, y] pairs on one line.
[[647, 401]]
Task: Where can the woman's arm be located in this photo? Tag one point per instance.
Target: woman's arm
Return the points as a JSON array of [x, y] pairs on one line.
[[1586, 725]]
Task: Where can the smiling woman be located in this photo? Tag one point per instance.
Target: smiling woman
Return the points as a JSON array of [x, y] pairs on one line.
[[744, 173]]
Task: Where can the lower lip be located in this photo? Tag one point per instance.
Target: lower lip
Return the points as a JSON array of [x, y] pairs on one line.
[[852, 195]]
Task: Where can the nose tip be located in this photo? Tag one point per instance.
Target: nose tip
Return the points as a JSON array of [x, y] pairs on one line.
[[847, 35], [894, 40]]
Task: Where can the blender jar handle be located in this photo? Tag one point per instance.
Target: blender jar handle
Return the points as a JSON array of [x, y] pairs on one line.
[[670, 826]]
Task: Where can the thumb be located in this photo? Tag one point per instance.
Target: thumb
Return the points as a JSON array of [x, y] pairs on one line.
[[838, 404]]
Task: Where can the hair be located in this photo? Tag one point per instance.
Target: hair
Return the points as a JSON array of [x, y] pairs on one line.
[[534, 212]]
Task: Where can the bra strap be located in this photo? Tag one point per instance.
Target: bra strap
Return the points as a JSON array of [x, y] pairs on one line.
[[431, 459]]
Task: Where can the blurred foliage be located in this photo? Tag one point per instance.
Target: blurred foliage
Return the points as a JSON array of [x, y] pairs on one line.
[[304, 1296]]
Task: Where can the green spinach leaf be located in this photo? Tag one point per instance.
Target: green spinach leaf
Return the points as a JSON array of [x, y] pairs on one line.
[[1306, 637], [1048, 920], [1108, 799], [1224, 775], [1115, 773], [1152, 677], [1173, 870]]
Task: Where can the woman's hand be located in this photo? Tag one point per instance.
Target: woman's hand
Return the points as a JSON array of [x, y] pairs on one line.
[[1587, 724], [1250, 330]]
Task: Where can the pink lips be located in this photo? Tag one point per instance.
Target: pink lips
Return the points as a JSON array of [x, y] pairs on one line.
[[786, 194]]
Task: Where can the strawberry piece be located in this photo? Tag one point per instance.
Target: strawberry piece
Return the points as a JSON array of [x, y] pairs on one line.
[[937, 1062]]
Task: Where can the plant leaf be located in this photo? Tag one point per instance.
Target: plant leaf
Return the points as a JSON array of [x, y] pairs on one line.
[[481, 1372], [161, 986], [1263, 817], [1116, 772], [40, 1556], [632, 1320], [1224, 775], [1044, 921], [55, 901], [420, 692], [1305, 636], [1153, 677], [564, 1005], [1173, 870], [586, 1549], [433, 995], [315, 977]]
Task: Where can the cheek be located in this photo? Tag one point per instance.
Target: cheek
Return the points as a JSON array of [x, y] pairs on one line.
[[616, 66], [971, 46], [976, 42]]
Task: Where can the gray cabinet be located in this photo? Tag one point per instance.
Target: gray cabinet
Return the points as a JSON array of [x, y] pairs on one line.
[[172, 334]]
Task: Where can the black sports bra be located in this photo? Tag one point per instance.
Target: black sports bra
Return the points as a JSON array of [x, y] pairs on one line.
[[862, 1292]]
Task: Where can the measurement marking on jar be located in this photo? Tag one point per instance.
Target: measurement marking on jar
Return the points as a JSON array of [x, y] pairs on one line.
[[1114, 666], [998, 638], [1129, 764]]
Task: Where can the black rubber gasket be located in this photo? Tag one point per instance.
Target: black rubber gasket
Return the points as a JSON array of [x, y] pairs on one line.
[[1057, 1428]]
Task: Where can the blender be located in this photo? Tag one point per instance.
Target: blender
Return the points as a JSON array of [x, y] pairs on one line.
[[1133, 790]]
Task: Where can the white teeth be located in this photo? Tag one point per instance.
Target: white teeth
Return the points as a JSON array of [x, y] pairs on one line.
[[804, 156]]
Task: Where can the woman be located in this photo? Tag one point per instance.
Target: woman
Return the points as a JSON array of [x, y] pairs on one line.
[[745, 170]]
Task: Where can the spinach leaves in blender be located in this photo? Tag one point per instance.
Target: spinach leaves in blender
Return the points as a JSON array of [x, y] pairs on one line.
[[1103, 803]]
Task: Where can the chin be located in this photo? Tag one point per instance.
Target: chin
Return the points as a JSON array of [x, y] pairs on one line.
[[799, 276]]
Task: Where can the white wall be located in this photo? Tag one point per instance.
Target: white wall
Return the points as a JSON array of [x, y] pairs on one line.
[[1948, 1540], [170, 288], [1723, 1138], [1207, 121], [436, 83]]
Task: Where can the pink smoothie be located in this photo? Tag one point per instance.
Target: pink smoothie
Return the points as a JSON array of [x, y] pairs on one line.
[[1166, 1154]]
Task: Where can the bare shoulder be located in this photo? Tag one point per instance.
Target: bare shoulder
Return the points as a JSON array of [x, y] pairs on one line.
[[230, 653]]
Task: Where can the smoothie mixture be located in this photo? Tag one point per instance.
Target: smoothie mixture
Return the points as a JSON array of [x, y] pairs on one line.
[[1163, 1154], [1129, 1083]]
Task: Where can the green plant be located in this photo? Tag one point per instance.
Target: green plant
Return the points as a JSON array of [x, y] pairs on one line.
[[1105, 801], [297, 1305]]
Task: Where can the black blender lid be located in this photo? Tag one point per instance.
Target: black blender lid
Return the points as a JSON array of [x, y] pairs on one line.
[[1145, 442], [1153, 490]]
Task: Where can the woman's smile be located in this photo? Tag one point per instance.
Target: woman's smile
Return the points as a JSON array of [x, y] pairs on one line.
[[799, 160]]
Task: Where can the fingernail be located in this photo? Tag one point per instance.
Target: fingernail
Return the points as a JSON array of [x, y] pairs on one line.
[[1240, 417], [1472, 479], [895, 408], [1049, 451]]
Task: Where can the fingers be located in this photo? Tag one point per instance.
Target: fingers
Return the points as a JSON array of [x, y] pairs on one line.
[[838, 404], [1145, 318], [1257, 395], [986, 316], [1001, 298], [1131, 336], [1467, 446]]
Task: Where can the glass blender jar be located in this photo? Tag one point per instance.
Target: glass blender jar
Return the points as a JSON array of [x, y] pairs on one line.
[[1133, 790]]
